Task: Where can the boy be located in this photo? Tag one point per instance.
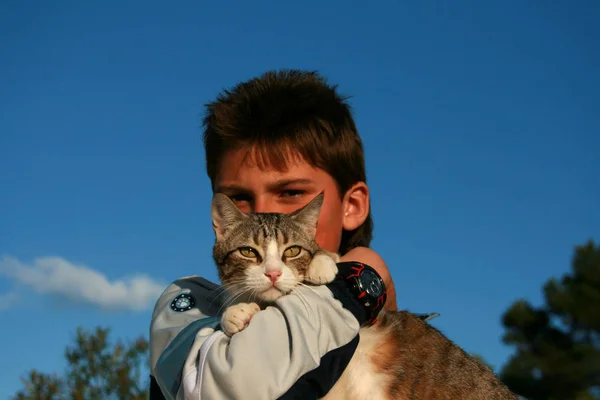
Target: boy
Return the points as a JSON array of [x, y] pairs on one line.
[[272, 144]]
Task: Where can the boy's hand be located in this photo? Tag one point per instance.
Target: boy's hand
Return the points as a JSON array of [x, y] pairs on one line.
[[374, 260], [237, 317]]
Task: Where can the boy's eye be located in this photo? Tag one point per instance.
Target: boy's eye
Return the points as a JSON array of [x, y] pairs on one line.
[[292, 251], [240, 197], [248, 252], [292, 193]]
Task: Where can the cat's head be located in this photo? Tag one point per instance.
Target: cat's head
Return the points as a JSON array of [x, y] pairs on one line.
[[262, 256]]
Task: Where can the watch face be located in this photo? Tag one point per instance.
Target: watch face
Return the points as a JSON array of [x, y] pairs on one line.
[[371, 283]]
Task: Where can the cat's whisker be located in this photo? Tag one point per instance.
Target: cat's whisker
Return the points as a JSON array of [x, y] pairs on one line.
[[226, 288], [235, 283], [229, 300], [233, 299], [217, 294], [231, 287], [254, 295]]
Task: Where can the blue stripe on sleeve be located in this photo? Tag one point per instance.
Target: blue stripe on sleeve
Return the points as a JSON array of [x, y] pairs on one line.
[[169, 367]]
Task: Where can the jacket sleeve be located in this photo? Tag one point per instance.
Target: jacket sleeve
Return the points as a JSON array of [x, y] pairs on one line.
[[191, 358]]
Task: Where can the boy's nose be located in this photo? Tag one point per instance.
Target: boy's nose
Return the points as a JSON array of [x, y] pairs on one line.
[[262, 205], [273, 275]]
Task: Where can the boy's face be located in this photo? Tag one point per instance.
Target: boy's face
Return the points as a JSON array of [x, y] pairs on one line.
[[267, 190]]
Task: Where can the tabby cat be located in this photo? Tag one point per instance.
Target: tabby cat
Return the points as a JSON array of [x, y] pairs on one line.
[[262, 256]]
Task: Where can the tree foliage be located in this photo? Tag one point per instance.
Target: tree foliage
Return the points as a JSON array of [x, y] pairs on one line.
[[96, 370], [557, 345]]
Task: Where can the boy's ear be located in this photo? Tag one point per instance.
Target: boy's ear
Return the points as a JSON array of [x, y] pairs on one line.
[[225, 214], [308, 216], [355, 206]]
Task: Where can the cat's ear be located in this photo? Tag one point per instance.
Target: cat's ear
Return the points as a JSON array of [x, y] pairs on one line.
[[225, 214], [308, 216]]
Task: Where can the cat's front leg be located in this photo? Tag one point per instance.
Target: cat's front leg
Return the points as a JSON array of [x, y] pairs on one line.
[[236, 318], [323, 268]]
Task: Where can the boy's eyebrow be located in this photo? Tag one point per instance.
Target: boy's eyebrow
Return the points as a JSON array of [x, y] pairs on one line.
[[233, 188], [286, 182], [230, 189]]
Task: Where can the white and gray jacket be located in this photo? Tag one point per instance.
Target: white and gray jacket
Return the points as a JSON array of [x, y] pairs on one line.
[[296, 348]]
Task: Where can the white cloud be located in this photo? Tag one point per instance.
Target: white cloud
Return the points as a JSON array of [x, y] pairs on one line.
[[80, 284]]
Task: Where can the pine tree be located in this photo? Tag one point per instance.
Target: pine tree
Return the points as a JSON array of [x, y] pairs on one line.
[[557, 345]]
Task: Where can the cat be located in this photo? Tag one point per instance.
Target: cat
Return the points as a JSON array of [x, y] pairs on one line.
[[399, 357]]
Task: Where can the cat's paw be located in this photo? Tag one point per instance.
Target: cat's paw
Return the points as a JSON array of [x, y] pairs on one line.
[[237, 317], [322, 268], [335, 256]]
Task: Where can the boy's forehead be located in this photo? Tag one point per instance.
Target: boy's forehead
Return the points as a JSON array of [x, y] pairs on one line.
[[247, 167], [242, 161]]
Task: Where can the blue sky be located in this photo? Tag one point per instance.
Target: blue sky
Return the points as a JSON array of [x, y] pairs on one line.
[[480, 124]]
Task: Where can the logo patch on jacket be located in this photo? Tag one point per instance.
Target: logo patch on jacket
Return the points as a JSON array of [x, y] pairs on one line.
[[183, 302]]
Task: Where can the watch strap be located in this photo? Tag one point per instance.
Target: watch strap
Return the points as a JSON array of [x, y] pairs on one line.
[[342, 292]]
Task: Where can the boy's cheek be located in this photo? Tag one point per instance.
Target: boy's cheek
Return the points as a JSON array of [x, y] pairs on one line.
[[328, 238], [329, 232], [329, 242]]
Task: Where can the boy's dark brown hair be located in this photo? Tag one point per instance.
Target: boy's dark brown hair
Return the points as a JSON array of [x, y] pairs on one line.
[[287, 113]]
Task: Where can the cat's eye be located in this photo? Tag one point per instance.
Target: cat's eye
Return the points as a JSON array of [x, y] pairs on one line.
[[248, 252], [292, 251]]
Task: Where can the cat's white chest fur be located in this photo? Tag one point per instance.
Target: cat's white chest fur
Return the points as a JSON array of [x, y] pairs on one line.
[[360, 381]]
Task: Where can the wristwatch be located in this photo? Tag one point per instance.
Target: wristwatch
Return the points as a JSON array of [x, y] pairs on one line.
[[366, 285]]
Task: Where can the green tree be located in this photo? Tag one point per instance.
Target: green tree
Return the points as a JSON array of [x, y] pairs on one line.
[[557, 345], [96, 370]]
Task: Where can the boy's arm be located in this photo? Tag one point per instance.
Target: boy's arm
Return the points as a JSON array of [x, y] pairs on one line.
[[367, 256], [174, 327], [277, 353]]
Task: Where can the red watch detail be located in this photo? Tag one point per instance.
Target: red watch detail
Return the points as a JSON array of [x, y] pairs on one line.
[[366, 285]]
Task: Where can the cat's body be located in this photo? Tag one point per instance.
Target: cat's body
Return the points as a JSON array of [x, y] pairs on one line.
[[404, 357], [261, 257]]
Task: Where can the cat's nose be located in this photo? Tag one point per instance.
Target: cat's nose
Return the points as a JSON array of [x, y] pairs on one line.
[[273, 275]]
